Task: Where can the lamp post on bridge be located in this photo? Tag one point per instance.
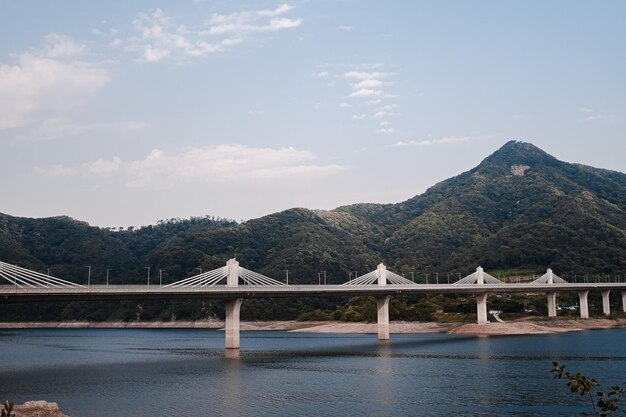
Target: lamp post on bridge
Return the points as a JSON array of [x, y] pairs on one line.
[[160, 278], [108, 277], [287, 276], [88, 276], [148, 268]]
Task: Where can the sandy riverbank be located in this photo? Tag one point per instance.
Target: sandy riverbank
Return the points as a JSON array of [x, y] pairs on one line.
[[525, 326]]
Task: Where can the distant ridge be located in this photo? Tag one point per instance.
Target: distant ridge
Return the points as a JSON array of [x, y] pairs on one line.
[[519, 208]]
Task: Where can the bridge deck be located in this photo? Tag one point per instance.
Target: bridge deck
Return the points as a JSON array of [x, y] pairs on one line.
[[12, 294]]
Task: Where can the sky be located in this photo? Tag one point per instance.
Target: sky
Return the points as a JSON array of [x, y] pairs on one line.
[[126, 113]]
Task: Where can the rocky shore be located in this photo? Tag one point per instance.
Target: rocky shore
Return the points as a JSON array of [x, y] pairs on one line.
[[37, 409]]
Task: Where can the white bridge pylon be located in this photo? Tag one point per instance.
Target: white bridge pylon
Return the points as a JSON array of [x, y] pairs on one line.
[[549, 278], [25, 278], [229, 276], [478, 277], [380, 276]]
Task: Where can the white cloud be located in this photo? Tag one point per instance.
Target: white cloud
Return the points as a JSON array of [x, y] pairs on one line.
[[368, 87], [383, 113], [61, 46], [371, 83], [226, 163], [57, 171], [160, 37], [211, 164], [154, 54], [251, 21], [385, 123], [362, 75], [344, 27], [386, 130], [592, 116], [321, 74], [61, 127], [52, 81], [116, 43], [380, 114], [597, 117], [430, 142], [367, 92], [283, 23], [373, 65], [283, 8], [100, 167]]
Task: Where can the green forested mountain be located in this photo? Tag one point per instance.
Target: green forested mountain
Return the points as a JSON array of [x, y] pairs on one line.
[[519, 210]]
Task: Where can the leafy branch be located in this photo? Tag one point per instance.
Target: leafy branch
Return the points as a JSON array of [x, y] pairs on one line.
[[7, 410], [604, 404]]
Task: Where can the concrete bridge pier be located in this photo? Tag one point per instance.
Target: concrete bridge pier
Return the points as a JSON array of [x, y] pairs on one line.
[[382, 307], [584, 304], [624, 301], [551, 304], [606, 305], [232, 323], [481, 308], [232, 307]]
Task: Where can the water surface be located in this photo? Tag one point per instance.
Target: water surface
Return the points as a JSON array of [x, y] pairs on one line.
[[159, 372]]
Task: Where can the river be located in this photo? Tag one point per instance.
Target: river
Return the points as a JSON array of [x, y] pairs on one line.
[[174, 372]]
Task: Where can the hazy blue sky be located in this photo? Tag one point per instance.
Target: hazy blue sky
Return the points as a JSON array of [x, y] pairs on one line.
[[123, 113]]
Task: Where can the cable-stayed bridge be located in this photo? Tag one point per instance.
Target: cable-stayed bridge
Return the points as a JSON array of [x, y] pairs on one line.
[[234, 283]]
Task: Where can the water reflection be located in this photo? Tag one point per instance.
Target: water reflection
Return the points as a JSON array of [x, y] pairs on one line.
[[231, 385], [232, 354], [383, 379]]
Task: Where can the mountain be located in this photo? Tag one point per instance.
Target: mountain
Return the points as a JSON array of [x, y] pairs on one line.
[[519, 208], [519, 211]]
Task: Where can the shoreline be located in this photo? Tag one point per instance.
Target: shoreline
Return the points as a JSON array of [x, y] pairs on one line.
[[516, 327]]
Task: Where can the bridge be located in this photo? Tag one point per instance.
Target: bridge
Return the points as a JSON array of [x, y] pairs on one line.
[[233, 283]]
